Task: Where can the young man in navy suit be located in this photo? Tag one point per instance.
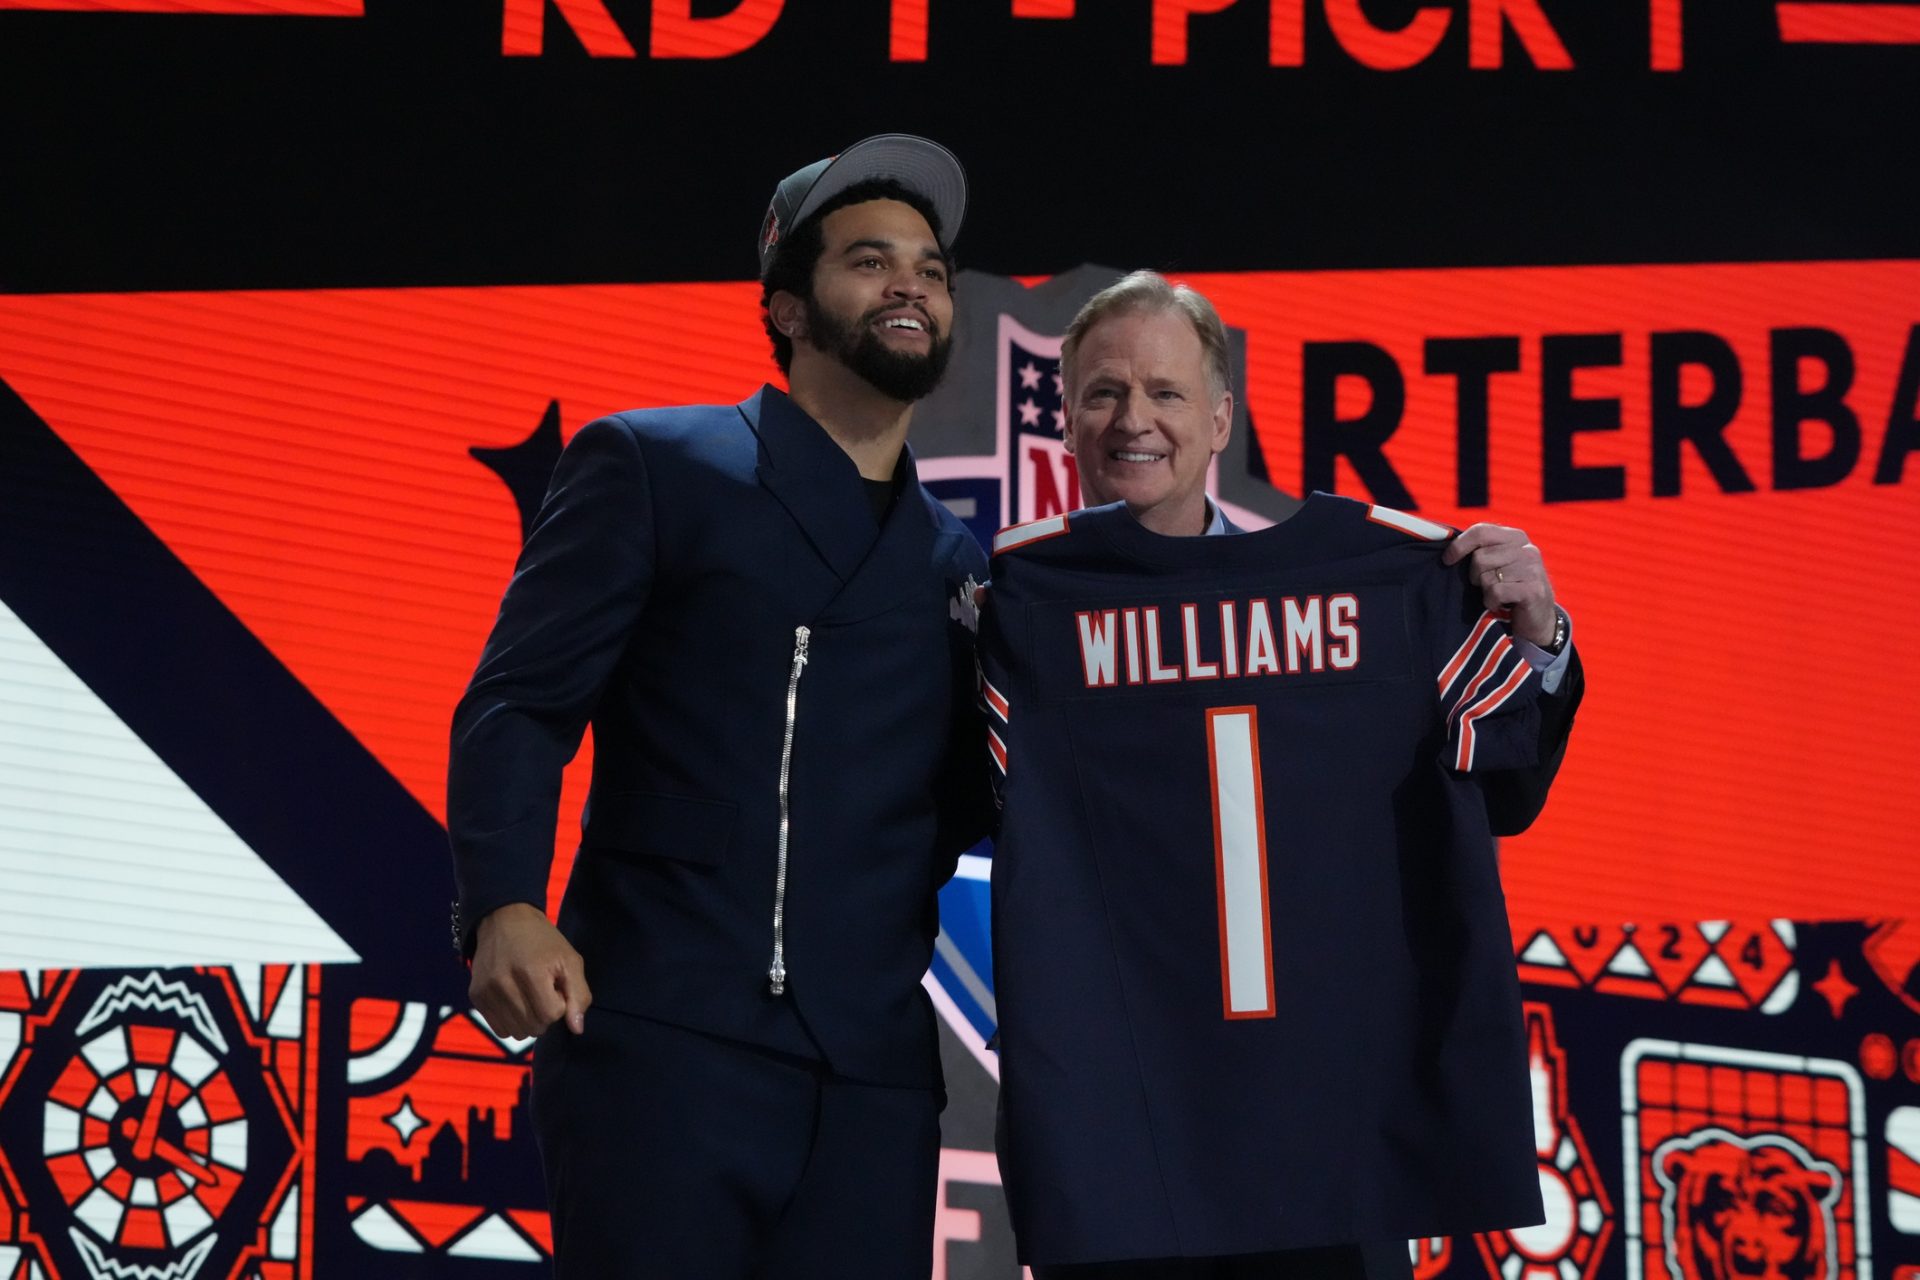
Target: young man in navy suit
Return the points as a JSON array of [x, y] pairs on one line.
[[751, 605]]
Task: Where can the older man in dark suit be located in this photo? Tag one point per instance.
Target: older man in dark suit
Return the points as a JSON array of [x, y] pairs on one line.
[[1302, 1131]]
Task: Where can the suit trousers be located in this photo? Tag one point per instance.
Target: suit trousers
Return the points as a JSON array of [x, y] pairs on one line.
[[675, 1155]]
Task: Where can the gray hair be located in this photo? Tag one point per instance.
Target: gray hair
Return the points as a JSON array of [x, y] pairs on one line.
[[1149, 291]]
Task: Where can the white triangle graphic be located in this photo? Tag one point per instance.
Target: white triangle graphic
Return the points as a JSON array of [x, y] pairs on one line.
[[108, 859], [377, 1227], [284, 1240], [1543, 950], [493, 1238], [1629, 962], [251, 979], [286, 1019], [1713, 972]]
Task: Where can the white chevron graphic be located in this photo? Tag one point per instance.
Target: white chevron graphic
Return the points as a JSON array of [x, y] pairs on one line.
[[151, 991], [101, 1267]]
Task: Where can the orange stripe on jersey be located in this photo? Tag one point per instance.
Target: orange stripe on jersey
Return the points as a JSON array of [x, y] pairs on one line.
[[1465, 651], [1411, 525], [996, 701], [1019, 535], [1495, 657], [1246, 989], [1463, 759]]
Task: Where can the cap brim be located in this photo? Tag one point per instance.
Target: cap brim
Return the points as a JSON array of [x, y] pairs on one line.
[[918, 164]]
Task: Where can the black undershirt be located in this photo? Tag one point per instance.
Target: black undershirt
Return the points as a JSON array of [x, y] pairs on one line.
[[880, 495]]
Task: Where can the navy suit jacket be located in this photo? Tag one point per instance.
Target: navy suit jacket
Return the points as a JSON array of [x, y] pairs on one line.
[[658, 597]]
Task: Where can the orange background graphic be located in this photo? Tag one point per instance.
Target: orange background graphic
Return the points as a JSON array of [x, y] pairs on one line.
[[1744, 752], [305, 454]]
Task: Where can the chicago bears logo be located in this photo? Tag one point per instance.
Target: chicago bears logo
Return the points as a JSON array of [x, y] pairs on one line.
[[1746, 1208]]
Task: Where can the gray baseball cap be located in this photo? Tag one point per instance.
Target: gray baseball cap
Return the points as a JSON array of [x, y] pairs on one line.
[[920, 165]]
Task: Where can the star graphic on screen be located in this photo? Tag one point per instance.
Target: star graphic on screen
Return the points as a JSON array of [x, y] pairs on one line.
[[1029, 375], [526, 467], [1836, 988], [1029, 412], [406, 1121]]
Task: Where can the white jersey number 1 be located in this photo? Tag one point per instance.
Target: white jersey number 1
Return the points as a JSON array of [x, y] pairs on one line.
[[1240, 862]]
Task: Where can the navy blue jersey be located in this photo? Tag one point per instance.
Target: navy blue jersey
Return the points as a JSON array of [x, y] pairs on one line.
[[1255, 982]]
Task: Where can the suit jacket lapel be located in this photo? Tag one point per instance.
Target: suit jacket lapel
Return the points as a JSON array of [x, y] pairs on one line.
[[813, 479]]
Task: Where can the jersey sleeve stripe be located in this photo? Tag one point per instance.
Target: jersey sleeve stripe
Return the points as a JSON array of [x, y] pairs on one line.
[[1412, 525], [1458, 661], [1495, 659], [1019, 535], [1463, 760], [996, 701]]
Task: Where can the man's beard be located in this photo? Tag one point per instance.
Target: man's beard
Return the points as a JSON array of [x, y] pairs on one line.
[[899, 375]]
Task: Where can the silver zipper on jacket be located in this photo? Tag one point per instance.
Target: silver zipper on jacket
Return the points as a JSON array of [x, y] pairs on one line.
[[777, 971]]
